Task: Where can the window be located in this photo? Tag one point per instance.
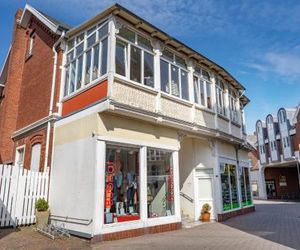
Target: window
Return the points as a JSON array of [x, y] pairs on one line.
[[202, 88], [20, 152], [220, 98], [245, 187], [134, 57], [229, 187], [233, 105], [174, 76], [86, 58], [282, 116], [30, 44], [160, 183], [122, 198], [35, 157]]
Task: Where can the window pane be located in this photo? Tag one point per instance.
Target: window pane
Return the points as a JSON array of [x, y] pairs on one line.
[[88, 67], [174, 81], [120, 58], [168, 55], [79, 49], [95, 62], [202, 87], [104, 57], [160, 183], [135, 64], [248, 189], [233, 183], [79, 72], [205, 75], [164, 76], [72, 80], [70, 56], [91, 40], [79, 38], [208, 95], [225, 189], [127, 34], [144, 42], [91, 30], [148, 69], [184, 85], [121, 185], [35, 158], [103, 31], [196, 90], [243, 189], [71, 44], [180, 61], [67, 78]]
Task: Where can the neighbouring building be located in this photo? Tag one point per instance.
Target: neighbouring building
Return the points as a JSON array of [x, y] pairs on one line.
[[137, 128], [275, 162]]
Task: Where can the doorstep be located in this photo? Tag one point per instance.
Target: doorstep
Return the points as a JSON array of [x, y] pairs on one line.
[[137, 232]]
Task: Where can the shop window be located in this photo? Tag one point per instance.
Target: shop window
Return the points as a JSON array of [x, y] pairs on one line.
[[160, 183], [245, 187], [229, 187], [121, 185]]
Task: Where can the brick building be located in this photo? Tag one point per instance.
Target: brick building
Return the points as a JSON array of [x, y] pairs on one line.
[[140, 128], [276, 173]]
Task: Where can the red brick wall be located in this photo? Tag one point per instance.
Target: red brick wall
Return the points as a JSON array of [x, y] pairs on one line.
[[10, 104], [37, 76], [291, 179]]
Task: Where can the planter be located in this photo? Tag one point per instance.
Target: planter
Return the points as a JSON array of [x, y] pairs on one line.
[[42, 218], [205, 217]]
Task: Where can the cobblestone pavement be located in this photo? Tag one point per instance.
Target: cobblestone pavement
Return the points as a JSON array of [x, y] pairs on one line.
[[273, 226], [273, 220]]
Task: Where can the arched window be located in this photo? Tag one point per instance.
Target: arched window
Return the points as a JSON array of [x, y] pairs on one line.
[[259, 127], [269, 119], [35, 157], [282, 116]]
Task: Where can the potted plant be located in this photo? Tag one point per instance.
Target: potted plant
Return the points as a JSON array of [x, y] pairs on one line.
[[42, 213], [205, 212]]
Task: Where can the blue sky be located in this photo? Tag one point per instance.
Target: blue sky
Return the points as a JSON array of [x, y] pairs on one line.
[[256, 41]]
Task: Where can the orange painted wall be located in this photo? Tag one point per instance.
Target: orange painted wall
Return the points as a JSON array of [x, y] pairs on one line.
[[85, 98]]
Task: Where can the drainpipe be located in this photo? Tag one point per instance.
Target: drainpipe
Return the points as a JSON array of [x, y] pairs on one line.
[[52, 99]]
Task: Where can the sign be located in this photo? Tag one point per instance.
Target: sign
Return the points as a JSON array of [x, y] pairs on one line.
[[282, 181]]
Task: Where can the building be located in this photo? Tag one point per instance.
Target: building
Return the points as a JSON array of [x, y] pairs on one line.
[[276, 173], [144, 128]]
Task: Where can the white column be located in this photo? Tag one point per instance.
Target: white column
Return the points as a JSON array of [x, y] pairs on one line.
[[213, 98], [99, 180], [157, 82], [191, 81], [111, 53], [217, 182], [143, 184], [176, 184]]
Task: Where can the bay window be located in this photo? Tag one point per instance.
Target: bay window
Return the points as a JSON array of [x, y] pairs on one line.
[[202, 88], [220, 98], [86, 58], [134, 57], [174, 75]]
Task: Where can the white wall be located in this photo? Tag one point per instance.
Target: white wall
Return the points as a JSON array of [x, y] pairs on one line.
[[72, 182]]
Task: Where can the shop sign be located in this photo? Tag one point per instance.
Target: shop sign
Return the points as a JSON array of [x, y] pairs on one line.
[[282, 181]]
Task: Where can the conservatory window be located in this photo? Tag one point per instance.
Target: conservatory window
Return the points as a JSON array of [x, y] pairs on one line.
[[134, 57], [202, 88], [233, 105], [174, 77], [86, 58], [220, 96]]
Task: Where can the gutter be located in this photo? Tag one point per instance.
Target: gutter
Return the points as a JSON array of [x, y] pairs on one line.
[[52, 99]]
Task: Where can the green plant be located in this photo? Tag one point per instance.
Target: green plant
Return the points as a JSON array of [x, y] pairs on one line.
[[41, 205], [205, 208]]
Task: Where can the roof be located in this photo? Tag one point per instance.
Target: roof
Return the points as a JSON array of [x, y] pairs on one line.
[[141, 23], [54, 25]]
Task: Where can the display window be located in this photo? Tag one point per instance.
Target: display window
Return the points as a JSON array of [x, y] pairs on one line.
[[245, 187], [122, 198], [230, 196], [160, 183]]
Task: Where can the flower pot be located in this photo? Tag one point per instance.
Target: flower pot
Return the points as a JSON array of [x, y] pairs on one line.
[[205, 217], [42, 218]]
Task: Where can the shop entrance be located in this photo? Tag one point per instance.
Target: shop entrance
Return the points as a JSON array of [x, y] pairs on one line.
[[204, 190], [271, 189]]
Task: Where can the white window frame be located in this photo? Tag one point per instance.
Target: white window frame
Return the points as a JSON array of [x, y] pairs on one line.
[[233, 108], [206, 84], [220, 98], [23, 147], [98, 41]]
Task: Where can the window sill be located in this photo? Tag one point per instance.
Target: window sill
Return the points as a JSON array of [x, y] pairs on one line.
[[235, 124], [176, 99], [223, 117], [202, 108], [28, 56]]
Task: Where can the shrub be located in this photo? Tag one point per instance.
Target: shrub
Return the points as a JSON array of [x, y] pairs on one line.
[[41, 205], [205, 208]]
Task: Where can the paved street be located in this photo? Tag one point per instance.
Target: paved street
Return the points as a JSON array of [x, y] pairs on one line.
[[274, 225]]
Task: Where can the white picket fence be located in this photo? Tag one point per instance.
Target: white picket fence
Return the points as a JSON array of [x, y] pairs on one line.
[[19, 190]]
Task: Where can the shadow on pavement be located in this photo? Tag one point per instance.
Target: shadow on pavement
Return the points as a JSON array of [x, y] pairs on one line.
[[275, 221]]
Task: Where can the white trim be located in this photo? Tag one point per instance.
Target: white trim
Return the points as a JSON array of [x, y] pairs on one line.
[[141, 143], [4, 64]]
